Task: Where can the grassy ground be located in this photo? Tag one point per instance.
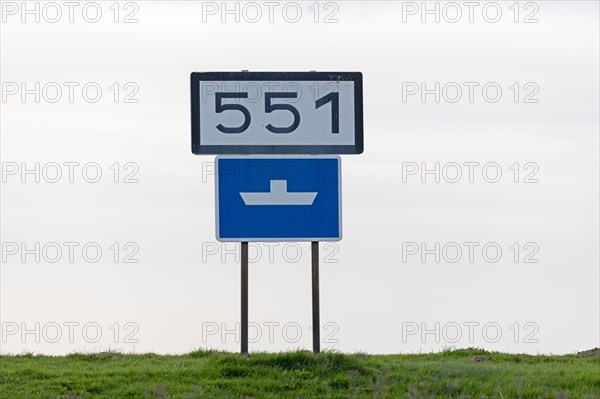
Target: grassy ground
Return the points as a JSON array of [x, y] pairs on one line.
[[207, 374]]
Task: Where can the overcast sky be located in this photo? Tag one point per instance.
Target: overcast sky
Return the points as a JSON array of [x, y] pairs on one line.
[[532, 115]]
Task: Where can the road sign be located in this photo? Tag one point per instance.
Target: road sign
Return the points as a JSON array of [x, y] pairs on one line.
[[272, 198], [277, 113]]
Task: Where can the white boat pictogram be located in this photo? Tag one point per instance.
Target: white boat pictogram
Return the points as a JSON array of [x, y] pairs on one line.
[[278, 195]]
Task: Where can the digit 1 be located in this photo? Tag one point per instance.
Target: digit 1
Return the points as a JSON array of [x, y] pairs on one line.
[[315, 10], [515, 249], [515, 10], [515, 329], [115, 9], [515, 168], [115, 168], [334, 98], [115, 88], [515, 89], [115, 329], [115, 249]]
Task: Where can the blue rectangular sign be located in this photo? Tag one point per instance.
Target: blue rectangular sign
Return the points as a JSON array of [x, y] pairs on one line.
[[278, 198]]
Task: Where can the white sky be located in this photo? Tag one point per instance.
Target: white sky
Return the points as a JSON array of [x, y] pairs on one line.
[[370, 296]]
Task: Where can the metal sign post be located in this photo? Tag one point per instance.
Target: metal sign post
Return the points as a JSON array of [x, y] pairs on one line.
[[244, 299], [316, 316], [316, 322]]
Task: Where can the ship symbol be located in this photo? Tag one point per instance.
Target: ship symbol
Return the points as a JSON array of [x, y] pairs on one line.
[[278, 195]]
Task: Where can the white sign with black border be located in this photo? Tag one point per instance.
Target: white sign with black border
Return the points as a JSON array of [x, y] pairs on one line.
[[277, 113]]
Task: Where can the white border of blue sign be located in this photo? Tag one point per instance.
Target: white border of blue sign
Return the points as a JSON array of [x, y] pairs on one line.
[[304, 239]]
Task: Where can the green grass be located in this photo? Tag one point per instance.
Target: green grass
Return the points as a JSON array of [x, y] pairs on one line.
[[207, 374]]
